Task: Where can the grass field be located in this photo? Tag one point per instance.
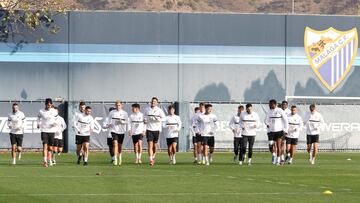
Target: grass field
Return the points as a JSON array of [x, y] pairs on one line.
[[223, 181]]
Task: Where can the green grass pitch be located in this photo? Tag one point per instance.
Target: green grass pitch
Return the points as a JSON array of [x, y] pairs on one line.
[[222, 181]]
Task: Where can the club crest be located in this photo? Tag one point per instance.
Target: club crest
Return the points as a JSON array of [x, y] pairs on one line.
[[331, 54]]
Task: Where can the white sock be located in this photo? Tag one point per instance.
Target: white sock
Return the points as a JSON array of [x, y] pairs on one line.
[[274, 154], [310, 155], [151, 158], [137, 155], [173, 156], [288, 154], [45, 159], [120, 157], [86, 159], [282, 157], [278, 159], [291, 159], [207, 159]]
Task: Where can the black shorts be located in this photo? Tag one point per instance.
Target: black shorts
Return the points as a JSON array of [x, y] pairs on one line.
[[48, 138], [82, 139], [211, 141], [152, 136], [16, 139], [198, 137], [292, 141], [276, 135], [136, 138], [271, 136], [205, 140], [109, 142], [58, 142], [194, 141], [169, 141], [312, 139], [118, 137]]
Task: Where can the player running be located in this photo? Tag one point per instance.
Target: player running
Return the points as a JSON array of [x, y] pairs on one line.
[[295, 127], [16, 124], [194, 131], [208, 124], [137, 130], [109, 136], [153, 117], [118, 125], [77, 116], [86, 127], [48, 127], [313, 122], [234, 125], [249, 122], [172, 125], [198, 136], [277, 123], [58, 141]]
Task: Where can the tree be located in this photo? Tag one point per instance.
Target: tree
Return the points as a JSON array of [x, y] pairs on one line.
[[24, 20]]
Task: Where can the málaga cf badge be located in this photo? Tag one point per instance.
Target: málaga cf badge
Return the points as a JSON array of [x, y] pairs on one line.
[[331, 54]]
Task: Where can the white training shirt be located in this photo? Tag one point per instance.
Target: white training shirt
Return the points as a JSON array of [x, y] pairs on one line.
[[86, 125], [105, 126], [287, 111], [153, 118], [296, 125], [172, 125], [16, 123], [61, 126], [249, 123], [313, 123], [277, 120], [193, 125], [119, 121], [47, 120], [76, 118], [137, 123], [234, 125], [208, 124]]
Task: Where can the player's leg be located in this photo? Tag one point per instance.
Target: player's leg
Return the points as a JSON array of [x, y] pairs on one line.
[[86, 152], [292, 151], [288, 149], [111, 149], [78, 148], [315, 143], [19, 141], [120, 144], [272, 147], [236, 148], [115, 147], [206, 152], [308, 147], [243, 149], [169, 149], [155, 145], [13, 148], [211, 147], [251, 140], [44, 139], [140, 148], [278, 148], [195, 148], [55, 151], [173, 150], [199, 148], [51, 146]]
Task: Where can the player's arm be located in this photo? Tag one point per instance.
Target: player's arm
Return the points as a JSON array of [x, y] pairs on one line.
[[267, 120], [38, 120], [179, 124], [285, 121], [63, 125]]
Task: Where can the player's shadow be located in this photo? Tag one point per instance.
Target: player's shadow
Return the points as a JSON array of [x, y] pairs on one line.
[[270, 88], [213, 92]]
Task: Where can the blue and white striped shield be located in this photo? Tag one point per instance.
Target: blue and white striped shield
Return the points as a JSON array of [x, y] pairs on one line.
[[331, 54]]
